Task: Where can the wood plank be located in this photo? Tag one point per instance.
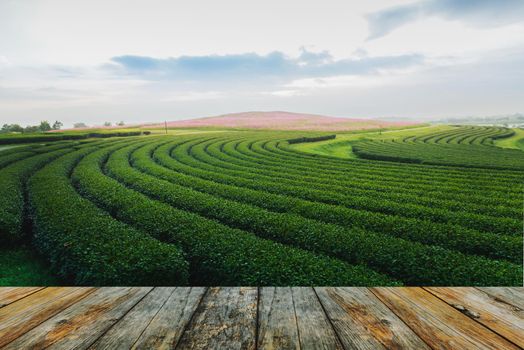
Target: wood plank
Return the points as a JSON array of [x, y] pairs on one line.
[[315, 329], [277, 324], [438, 324], [9, 295], [225, 319], [27, 313], [167, 327], [129, 328], [510, 295], [364, 322], [505, 319], [84, 322]]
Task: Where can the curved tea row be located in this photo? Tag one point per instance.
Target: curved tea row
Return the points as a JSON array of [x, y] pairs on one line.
[[244, 208], [467, 146]]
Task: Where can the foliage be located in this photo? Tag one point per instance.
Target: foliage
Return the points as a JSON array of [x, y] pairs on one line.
[[466, 146], [311, 139], [86, 245], [248, 208]]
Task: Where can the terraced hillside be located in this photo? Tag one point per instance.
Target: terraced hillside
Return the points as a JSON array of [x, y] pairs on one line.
[[245, 208], [465, 146]]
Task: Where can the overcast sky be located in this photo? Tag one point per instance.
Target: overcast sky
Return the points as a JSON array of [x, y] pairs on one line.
[[151, 60]]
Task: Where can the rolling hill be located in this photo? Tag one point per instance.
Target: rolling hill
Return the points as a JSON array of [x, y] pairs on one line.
[[283, 121]]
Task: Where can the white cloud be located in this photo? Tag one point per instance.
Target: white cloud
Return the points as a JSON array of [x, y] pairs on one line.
[[194, 96], [81, 61], [287, 93]]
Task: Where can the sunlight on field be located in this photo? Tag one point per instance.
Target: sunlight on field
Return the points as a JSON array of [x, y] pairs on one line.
[[209, 207], [4, 147], [516, 141], [341, 146]]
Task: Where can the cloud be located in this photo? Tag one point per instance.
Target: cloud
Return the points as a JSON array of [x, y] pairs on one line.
[[194, 96], [479, 13], [274, 66]]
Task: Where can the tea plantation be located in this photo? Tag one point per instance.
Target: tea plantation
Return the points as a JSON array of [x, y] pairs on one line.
[[246, 208]]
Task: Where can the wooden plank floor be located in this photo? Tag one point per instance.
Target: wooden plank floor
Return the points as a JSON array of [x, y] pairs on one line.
[[263, 318]]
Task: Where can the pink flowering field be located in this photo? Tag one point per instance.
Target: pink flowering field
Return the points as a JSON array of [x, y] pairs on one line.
[[283, 121]]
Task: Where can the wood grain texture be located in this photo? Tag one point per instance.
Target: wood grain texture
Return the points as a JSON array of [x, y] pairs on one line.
[[277, 324], [129, 328], [437, 323], [167, 327], [264, 318], [84, 322], [225, 319], [315, 330], [510, 295], [9, 295], [364, 322], [23, 315], [505, 319]]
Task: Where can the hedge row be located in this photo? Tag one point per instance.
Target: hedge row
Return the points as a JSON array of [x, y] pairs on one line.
[[411, 262], [269, 148], [471, 156], [217, 254], [464, 146], [14, 157], [311, 139], [46, 137], [416, 174], [496, 183], [322, 193], [269, 156], [370, 187], [225, 186], [87, 246], [467, 135], [12, 182]]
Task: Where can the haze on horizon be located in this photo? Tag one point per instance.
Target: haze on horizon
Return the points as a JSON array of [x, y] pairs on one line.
[[147, 61]]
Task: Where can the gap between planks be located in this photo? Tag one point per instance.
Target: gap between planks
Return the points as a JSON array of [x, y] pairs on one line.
[[282, 317]]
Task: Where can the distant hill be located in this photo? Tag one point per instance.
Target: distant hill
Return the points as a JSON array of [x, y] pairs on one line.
[[283, 121]]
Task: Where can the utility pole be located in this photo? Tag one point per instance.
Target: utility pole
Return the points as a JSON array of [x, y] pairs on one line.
[[166, 126]]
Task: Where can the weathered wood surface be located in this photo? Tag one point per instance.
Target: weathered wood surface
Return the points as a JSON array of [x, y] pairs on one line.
[[507, 320], [363, 322], [314, 327], [261, 318], [27, 313], [225, 319], [440, 325], [167, 327], [277, 322], [9, 295], [511, 295], [84, 322]]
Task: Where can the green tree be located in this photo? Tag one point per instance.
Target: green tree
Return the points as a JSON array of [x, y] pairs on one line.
[[16, 128], [57, 125], [107, 124], [11, 128], [79, 125], [31, 129], [44, 126]]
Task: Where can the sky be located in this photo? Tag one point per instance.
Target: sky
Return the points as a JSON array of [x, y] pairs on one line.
[[153, 60]]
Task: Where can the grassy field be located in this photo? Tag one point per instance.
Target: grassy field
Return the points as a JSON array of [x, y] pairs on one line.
[[216, 207], [516, 141], [341, 146], [21, 266], [466, 146]]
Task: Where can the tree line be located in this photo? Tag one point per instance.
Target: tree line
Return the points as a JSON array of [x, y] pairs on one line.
[[45, 126]]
